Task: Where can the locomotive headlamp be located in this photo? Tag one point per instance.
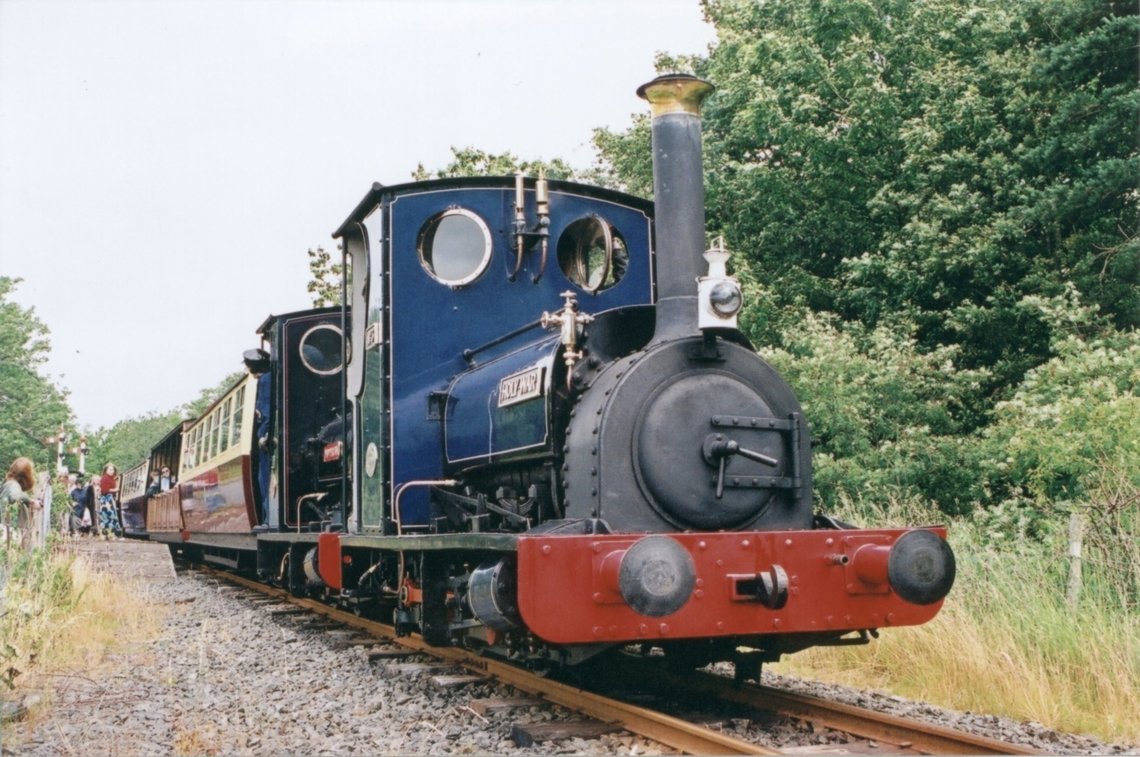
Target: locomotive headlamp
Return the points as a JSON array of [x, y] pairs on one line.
[[719, 294], [725, 298]]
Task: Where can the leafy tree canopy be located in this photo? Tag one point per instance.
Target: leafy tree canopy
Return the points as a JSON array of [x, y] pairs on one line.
[[327, 277], [469, 161], [930, 163], [32, 409]]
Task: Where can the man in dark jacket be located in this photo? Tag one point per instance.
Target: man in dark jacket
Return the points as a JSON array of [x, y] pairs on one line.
[[83, 499]]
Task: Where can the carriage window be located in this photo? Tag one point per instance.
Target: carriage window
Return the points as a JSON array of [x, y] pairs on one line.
[[455, 246], [211, 436], [224, 436], [199, 442], [239, 402], [321, 349], [592, 254]]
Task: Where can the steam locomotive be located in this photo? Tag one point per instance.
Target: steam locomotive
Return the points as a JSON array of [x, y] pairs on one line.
[[536, 429]]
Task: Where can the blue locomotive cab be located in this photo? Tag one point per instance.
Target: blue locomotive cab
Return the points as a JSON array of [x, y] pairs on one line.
[[463, 282], [298, 446]]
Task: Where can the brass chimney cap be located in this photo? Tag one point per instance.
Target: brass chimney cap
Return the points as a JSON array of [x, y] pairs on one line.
[[675, 93]]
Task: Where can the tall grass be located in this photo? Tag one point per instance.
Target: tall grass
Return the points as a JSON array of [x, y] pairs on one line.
[[1007, 643], [58, 614]]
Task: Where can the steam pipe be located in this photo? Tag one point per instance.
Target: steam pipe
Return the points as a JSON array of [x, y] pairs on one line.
[[679, 197]]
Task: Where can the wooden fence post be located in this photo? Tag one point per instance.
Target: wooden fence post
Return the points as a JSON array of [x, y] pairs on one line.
[[1076, 536]]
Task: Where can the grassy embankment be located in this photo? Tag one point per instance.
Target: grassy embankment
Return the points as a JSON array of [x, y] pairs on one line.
[[1007, 643], [60, 617]]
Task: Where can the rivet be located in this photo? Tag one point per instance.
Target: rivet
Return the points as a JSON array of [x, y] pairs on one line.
[[700, 582], [890, 618], [597, 547], [746, 543], [597, 596], [663, 628], [776, 623], [643, 629], [702, 544], [829, 542], [787, 542], [720, 625], [699, 593], [597, 630]]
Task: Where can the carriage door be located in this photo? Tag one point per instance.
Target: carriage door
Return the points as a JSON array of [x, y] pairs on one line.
[[311, 387]]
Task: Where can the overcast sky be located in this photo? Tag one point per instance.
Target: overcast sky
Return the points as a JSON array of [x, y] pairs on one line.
[[164, 166]]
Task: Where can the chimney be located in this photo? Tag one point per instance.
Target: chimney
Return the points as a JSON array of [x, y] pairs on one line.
[[679, 198]]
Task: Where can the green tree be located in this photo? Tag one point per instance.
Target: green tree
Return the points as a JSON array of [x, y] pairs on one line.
[[129, 441], [210, 395], [32, 409], [884, 415], [1076, 418], [924, 163], [469, 161], [327, 277]]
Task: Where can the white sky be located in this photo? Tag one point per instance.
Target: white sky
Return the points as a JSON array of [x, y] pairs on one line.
[[164, 166]]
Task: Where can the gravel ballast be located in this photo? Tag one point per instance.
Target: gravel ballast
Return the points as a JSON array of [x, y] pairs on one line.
[[228, 676]]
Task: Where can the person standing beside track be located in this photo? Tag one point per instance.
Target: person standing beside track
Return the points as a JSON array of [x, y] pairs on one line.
[[18, 482], [108, 511], [91, 501], [81, 496]]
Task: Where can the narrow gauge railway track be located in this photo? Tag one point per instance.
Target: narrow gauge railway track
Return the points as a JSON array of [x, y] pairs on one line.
[[909, 736], [879, 733], [670, 731]]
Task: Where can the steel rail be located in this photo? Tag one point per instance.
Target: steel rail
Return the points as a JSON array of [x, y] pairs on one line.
[[927, 738], [665, 729]]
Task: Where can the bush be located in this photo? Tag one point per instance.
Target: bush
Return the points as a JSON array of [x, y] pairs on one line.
[[886, 419]]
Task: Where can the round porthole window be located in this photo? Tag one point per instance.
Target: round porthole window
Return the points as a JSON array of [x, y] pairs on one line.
[[592, 254], [455, 246], [322, 350]]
